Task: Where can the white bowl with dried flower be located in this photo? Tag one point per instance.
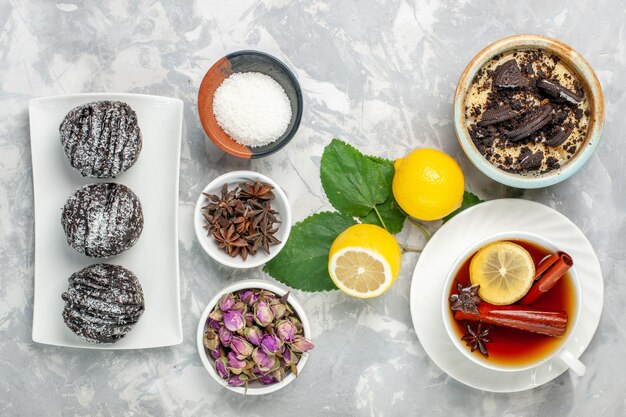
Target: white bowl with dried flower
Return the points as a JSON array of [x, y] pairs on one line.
[[242, 219], [254, 337]]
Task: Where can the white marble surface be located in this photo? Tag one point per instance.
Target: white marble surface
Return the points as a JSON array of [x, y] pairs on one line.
[[380, 74]]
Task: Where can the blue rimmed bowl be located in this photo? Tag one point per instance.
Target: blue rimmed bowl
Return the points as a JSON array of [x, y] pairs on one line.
[[593, 90]]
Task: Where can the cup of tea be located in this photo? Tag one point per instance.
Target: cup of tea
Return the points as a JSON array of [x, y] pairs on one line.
[[525, 333]]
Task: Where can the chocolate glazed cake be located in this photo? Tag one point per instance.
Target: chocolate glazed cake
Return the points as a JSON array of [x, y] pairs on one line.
[[103, 303], [102, 220], [101, 139]]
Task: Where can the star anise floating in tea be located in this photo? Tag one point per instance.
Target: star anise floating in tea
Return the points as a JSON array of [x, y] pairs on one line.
[[466, 300], [242, 220], [477, 338]]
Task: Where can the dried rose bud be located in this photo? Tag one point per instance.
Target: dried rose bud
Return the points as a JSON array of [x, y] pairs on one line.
[[233, 320], [279, 374], [227, 302], [263, 314], [267, 295], [286, 331], [264, 361], [249, 317], [238, 380], [221, 368], [253, 334], [211, 341], [267, 379], [225, 336], [213, 324], [218, 353], [290, 311], [297, 323], [240, 306], [249, 297], [271, 344], [236, 365], [241, 347], [217, 315], [289, 358], [300, 344], [279, 310]]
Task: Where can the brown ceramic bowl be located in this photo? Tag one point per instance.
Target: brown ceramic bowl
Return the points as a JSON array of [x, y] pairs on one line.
[[593, 91], [247, 61]]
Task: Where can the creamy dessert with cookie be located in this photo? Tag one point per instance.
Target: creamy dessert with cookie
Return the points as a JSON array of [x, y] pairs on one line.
[[527, 112]]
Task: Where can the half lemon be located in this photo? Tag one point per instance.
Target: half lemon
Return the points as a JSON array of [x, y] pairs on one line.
[[364, 261]]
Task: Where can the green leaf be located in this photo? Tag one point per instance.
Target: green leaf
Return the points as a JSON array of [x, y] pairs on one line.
[[353, 182], [389, 210], [392, 215], [469, 200], [356, 183], [303, 262]]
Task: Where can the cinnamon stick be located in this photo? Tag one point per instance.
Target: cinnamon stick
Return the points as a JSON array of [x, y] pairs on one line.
[[548, 274], [550, 323]]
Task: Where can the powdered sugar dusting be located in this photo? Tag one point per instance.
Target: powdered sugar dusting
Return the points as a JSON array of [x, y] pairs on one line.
[[101, 139], [103, 303], [252, 108], [102, 220]]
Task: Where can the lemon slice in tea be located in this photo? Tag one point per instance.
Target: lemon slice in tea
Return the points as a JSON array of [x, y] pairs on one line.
[[505, 272]]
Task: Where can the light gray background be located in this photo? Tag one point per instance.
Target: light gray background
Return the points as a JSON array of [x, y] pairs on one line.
[[379, 74]]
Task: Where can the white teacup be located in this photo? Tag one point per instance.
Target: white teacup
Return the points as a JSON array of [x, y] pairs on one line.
[[559, 352]]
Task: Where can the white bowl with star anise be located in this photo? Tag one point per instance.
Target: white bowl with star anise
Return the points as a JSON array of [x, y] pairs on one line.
[[242, 219]]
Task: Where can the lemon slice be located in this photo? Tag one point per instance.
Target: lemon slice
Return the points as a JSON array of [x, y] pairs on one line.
[[364, 261], [505, 272]]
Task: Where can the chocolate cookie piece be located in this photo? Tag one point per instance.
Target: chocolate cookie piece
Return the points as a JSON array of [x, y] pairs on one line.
[[535, 121], [529, 160], [497, 115], [101, 139], [509, 75], [556, 90], [559, 134], [102, 220], [103, 303]]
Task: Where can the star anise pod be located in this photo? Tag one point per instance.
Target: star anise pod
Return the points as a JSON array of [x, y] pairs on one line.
[[242, 251], [243, 225], [263, 214], [222, 206], [259, 190], [477, 338], [240, 208], [466, 300], [264, 238], [228, 239], [213, 223]]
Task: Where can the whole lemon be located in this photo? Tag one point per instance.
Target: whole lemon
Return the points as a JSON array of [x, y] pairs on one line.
[[428, 184]]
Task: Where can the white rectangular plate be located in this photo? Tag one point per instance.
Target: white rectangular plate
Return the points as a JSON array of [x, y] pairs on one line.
[[153, 259]]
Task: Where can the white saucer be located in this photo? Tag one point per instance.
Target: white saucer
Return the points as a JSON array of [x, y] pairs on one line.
[[452, 239]]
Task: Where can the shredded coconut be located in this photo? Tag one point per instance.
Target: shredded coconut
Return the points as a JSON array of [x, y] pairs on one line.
[[252, 108]]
